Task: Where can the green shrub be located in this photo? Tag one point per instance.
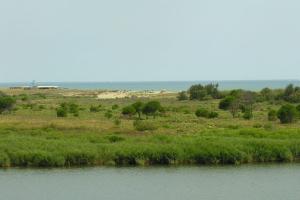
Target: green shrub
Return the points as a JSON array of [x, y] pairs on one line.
[[24, 97], [257, 125], [41, 107], [129, 110], [202, 112], [95, 108], [108, 114], [182, 96], [65, 108], [6, 103], [298, 108], [247, 115], [226, 103], [142, 125], [272, 115], [287, 114], [200, 92], [115, 107], [115, 138], [152, 108], [74, 109], [213, 115], [61, 112]]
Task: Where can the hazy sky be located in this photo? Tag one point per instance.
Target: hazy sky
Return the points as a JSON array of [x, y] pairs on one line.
[[133, 40]]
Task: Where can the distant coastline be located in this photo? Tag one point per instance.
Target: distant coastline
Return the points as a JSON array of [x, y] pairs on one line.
[[174, 86]]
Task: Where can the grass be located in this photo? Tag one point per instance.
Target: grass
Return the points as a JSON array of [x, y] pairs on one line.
[[31, 137], [53, 147]]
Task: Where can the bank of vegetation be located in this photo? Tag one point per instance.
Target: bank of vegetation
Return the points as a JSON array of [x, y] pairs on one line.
[[202, 125]]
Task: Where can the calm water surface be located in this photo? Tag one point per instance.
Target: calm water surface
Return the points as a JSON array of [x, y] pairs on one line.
[[255, 182]]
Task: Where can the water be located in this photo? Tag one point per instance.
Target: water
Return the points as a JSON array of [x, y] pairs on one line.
[[252, 182], [167, 85]]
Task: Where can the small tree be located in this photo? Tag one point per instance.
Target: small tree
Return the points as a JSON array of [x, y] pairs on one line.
[[267, 94], [151, 108], [197, 92], [230, 103], [6, 103], [291, 94], [248, 99], [287, 114], [138, 106], [234, 107], [212, 90]]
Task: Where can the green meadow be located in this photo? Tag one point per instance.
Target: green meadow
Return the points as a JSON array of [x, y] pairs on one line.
[[99, 133]]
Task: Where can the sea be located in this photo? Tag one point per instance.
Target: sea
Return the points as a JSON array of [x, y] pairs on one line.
[[254, 85]]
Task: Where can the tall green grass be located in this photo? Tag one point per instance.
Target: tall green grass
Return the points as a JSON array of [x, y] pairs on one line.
[[64, 148]]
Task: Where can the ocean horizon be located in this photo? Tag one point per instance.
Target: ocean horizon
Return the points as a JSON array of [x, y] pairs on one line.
[[175, 86]]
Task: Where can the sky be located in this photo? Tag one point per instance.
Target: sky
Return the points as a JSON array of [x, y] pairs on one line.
[[149, 40]]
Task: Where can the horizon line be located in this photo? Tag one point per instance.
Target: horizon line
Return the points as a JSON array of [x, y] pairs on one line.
[[138, 81]]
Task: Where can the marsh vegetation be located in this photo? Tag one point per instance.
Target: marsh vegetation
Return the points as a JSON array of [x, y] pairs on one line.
[[199, 126]]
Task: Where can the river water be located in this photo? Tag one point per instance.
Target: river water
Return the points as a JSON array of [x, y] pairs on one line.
[[253, 182]]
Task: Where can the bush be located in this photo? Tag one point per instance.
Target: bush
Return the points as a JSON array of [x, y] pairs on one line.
[[6, 103], [201, 112], [108, 114], [95, 108], [287, 114], [41, 107], [24, 97], [182, 96], [291, 94], [129, 111], [226, 103], [141, 125], [61, 112], [272, 115], [66, 108], [115, 107], [213, 115], [115, 138], [74, 109], [199, 91], [151, 108], [247, 115], [298, 108], [257, 125]]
